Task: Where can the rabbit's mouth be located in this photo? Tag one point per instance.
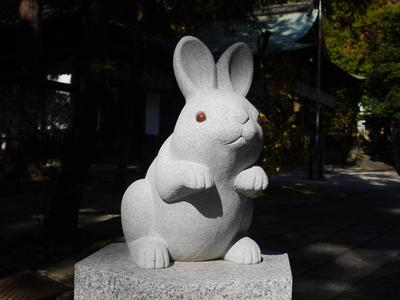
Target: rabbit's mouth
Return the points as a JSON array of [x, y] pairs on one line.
[[240, 141]]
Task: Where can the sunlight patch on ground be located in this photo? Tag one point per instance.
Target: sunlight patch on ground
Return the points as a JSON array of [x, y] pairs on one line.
[[89, 220], [326, 248], [391, 211], [307, 192], [88, 210]]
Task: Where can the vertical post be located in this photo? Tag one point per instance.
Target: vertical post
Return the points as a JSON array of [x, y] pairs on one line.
[[318, 152]]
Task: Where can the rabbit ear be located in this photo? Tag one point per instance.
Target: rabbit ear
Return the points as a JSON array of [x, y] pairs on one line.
[[194, 67], [235, 69]]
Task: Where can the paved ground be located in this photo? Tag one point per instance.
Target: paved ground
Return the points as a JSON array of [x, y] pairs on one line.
[[342, 234]]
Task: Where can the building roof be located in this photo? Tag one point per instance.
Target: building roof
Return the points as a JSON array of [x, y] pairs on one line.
[[285, 30], [281, 28]]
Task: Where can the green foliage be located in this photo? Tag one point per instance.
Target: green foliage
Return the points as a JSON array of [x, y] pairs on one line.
[[344, 13], [347, 47], [284, 135], [340, 124], [371, 47], [343, 119], [287, 134], [382, 89]]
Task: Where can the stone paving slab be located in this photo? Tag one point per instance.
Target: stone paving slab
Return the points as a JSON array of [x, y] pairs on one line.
[[302, 237], [352, 238], [351, 295], [312, 287], [327, 248], [378, 229], [377, 288], [360, 206], [363, 207], [388, 245], [351, 266], [390, 270], [396, 230], [303, 260]]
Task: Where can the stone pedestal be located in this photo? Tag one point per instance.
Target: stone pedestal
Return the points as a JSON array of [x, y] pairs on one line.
[[111, 274]]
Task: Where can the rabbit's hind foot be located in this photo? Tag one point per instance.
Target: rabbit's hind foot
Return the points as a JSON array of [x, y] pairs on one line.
[[149, 253], [244, 251]]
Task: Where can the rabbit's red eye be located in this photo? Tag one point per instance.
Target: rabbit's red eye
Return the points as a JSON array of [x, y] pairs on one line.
[[200, 117]]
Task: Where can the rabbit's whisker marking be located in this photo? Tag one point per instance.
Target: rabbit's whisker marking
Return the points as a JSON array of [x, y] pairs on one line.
[[240, 138]]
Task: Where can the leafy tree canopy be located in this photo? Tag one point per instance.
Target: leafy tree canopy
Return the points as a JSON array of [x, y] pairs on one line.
[[370, 47]]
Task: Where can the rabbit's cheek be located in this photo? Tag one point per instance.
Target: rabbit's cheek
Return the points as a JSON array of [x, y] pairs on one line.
[[249, 131], [231, 140]]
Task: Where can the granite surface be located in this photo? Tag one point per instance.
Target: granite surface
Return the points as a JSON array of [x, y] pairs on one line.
[[193, 204], [111, 274]]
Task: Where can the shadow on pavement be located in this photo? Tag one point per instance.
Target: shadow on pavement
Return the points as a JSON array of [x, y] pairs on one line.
[[342, 234]]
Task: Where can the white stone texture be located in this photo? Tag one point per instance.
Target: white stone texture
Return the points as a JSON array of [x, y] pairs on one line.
[[193, 203], [110, 274]]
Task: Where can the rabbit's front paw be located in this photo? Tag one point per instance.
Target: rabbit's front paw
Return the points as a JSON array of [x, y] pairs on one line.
[[252, 179], [244, 251], [198, 177]]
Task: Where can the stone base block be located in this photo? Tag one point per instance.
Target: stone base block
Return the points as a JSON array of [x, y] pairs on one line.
[[111, 274]]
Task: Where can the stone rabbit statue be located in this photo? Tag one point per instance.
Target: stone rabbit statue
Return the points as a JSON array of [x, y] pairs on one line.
[[192, 205]]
